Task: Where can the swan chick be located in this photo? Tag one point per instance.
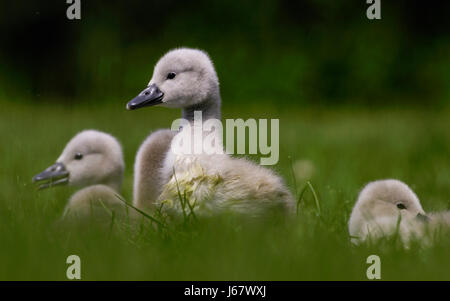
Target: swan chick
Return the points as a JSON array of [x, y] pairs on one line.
[[186, 79], [92, 161], [385, 207]]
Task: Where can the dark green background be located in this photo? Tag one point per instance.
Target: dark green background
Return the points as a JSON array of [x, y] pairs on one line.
[[296, 52]]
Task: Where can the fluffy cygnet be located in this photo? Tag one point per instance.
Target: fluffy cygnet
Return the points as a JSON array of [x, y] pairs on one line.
[[385, 207], [92, 160], [186, 79]]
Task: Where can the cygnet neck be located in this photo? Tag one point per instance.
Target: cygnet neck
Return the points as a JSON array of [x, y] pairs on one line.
[[209, 108]]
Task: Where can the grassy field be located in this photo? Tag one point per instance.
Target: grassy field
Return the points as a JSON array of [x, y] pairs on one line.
[[343, 149]]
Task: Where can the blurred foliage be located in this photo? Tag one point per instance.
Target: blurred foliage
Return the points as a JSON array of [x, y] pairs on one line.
[[297, 52]]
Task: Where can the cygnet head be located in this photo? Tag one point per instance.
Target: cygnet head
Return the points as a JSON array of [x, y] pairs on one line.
[[388, 198], [90, 158], [183, 78], [385, 199]]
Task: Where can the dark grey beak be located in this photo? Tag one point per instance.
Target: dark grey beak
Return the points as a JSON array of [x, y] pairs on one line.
[[52, 176], [149, 97], [423, 218]]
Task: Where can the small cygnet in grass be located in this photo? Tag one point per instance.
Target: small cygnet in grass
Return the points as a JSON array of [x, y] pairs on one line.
[[384, 208], [93, 161]]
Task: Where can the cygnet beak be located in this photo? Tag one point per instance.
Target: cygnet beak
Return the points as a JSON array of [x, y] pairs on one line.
[[422, 217], [56, 174], [150, 96]]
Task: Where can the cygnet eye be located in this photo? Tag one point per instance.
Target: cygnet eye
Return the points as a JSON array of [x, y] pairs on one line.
[[171, 75], [78, 156], [401, 206]]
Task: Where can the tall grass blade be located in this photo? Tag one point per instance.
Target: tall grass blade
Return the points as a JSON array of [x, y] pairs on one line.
[[141, 212]]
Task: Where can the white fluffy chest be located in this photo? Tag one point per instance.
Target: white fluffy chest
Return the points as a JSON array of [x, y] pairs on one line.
[[189, 181]]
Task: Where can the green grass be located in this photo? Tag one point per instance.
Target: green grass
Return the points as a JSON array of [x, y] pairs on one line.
[[345, 148]]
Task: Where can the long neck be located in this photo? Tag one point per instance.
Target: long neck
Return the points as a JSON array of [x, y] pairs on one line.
[[148, 178], [196, 133], [209, 108]]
